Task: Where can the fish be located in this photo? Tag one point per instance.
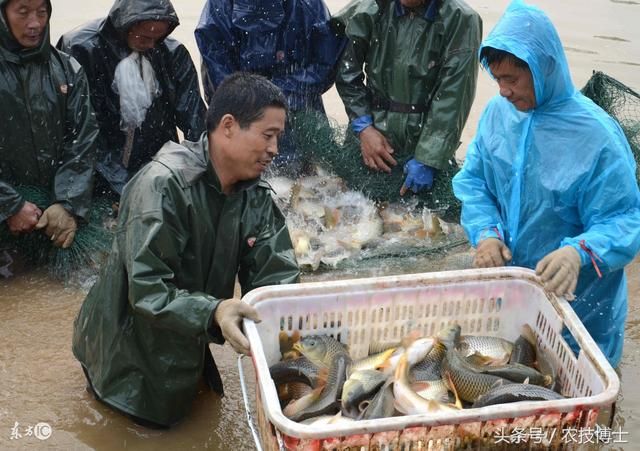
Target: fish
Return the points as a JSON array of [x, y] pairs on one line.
[[514, 372], [291, 391], [498, 350], [321, 349], [433, 389], [381, 406], [546, 367], [327, 401], [507, 393], [465, 378], [415, 350], [408, 401], [371, 362], [376, 347], [301, 404], [295, 370], [361, 385], [286, 344], [524, 348], [430, 368]]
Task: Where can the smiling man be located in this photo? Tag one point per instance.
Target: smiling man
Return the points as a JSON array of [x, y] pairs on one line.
[[144, 86], [190, 221], [48, 129], [549, 179]]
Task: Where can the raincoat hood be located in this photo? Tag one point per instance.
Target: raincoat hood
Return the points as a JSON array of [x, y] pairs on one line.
[[125, 13], [526, 32], [11, 50]]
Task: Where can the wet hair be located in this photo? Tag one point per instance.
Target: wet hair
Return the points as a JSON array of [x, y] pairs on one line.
[[490, 55], [245, 96]]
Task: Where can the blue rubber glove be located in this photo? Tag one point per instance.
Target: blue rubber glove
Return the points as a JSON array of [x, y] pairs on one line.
[[419, 176]]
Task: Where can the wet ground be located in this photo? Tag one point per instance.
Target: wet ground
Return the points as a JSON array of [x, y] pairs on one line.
[[40, 382]]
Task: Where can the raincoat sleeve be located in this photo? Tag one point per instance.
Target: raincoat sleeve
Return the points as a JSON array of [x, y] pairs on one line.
[[73, 182], [11, 202], [609, 207], [216, 42], [189, 106], [480, 215], [360, 20], [452, 100], [155, 238], [271, 260]]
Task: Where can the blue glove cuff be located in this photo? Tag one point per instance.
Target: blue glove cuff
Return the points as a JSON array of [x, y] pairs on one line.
[[360, 123]]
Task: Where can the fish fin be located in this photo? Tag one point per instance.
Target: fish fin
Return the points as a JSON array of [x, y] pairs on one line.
[[283, 340], [291, 355], [386, 365], [420, 385], [480, 360], [548, 380], [387, 355], [295, 336], [401, 369], [453, 389], [323, 376], [529, 335], [526, 381], [497, 383]]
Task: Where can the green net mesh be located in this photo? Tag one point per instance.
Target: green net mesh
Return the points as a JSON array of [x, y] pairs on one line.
[[622, 103], [90, 246], [336, 148]]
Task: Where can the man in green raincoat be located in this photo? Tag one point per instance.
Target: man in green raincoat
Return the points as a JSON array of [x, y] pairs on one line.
[[407, 79], [48, 128], [190, 221]]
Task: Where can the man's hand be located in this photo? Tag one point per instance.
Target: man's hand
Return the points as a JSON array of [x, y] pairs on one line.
[[559, 271], [25, 220], [59, 225], [419, 177], [491, 253], [228, 317], [377, 153]]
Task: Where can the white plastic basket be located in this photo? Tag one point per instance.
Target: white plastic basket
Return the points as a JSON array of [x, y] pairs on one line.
[[495, 302]]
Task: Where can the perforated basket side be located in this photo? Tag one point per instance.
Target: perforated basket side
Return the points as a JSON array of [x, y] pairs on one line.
[[496, 302]]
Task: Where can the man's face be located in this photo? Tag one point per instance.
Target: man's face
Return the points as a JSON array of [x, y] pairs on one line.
[[250, 150], [144, 35], [515, 83], [27, 20], [412, 3]]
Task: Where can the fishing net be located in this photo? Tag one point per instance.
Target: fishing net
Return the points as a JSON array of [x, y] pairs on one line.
[[622, 103], [336, 148], [90, 246]]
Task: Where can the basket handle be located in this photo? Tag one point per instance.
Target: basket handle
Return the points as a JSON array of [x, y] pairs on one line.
[[247, 408]]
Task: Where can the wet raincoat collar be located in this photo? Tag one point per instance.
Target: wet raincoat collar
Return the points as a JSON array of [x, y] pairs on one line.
[[526, 32], [430, 11], [11, 50], [201, 148], [125, 13]]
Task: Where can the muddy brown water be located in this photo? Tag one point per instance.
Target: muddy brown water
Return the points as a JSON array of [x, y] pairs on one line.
[[40, 381]]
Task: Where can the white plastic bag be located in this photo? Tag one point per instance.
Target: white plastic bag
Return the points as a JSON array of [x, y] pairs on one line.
[[135, 82]]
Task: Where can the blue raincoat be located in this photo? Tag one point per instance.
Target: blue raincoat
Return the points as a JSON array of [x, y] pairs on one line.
[[560, 174], [290, 42]]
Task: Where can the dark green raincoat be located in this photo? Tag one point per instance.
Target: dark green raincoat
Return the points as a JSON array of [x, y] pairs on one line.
[[99, 46], [143, 330], [428, 57], [48, 129]]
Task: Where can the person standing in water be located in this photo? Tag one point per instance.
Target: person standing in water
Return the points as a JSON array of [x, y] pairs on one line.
[[549, 179], [144, 86], [191, 220], [48, 129]]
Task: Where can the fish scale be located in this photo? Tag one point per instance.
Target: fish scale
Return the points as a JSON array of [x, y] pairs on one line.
[[468, 383]]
